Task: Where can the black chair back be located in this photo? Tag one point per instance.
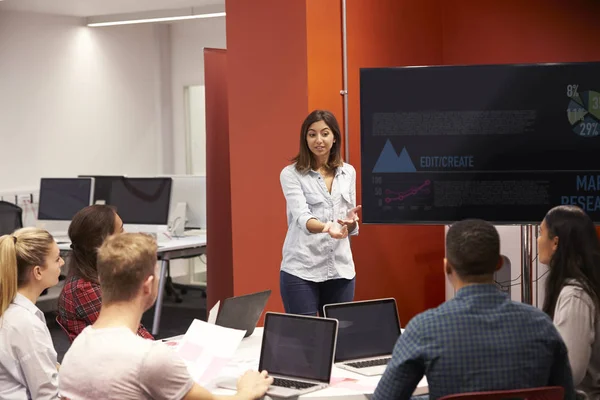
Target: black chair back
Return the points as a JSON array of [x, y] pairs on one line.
[[11, 218]]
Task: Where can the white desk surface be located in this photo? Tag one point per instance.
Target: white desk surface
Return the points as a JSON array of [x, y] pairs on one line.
[[193, 239], [247, 357]]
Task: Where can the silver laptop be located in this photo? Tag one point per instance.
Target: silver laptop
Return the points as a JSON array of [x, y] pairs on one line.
[[297, 351], [367, 333]]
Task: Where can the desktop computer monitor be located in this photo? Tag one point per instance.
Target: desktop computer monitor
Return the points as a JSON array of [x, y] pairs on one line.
[[60, 199], [141, 201], [191, 190], [102, 187]]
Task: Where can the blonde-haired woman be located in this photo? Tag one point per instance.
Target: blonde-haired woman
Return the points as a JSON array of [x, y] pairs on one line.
[[29, 263]]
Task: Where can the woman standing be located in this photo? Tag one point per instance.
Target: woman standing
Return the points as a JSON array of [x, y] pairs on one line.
[[320, 192], [569, 245]]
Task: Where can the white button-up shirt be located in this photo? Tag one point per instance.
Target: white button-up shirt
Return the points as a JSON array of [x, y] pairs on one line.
[[317, 257], [27, 356]]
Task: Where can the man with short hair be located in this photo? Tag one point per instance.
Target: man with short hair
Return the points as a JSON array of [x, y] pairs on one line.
[[480, 340], [109, 361]]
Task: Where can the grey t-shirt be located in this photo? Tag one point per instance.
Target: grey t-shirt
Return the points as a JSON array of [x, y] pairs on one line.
[[576, 318], [115, 363]]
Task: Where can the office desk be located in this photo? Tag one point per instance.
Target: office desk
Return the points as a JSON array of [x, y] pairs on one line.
[[247, 357], [192, 245]]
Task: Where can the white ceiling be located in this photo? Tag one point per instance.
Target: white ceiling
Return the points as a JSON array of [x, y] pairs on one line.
[[87, 8]]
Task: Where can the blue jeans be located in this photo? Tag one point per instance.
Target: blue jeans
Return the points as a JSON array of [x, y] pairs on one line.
[[308, 298]]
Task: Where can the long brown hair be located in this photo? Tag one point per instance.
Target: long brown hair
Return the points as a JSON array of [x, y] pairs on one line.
[[87, 231], [577, 256], [305, 159], [19, 253]]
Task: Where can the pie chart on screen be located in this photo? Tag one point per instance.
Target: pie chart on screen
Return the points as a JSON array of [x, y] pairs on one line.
[[583, 113]]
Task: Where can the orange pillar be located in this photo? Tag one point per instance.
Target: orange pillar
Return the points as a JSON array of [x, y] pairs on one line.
[[218, 199], [267, 76]]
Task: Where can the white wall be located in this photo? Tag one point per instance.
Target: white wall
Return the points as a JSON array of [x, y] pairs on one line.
[[510, 246], [188, 40], [77, 100]]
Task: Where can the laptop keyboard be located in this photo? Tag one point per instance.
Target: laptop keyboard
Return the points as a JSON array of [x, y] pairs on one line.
[[288, 383], [370, 363]]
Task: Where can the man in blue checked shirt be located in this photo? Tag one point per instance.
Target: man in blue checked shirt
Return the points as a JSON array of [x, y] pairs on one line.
[[480, 340]]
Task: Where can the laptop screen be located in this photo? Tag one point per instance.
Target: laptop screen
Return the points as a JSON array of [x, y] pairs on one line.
[[298, 347], [366, 328]]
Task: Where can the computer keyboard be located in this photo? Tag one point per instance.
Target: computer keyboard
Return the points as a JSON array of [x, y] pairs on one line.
[[370, 363], [288, 383], [62, 239]]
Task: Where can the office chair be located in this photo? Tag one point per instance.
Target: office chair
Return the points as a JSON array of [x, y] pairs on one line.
[[543, 393], [11, 218]]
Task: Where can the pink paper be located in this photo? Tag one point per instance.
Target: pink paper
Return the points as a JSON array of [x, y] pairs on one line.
[[189, 351], [336, 379], [356, 386], [212, 372]]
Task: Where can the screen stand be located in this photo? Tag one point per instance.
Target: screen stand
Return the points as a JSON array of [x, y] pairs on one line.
[[527, 259], [177, 220]]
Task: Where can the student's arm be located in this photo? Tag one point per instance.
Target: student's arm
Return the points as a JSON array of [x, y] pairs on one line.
[[164, 376], [406, 368], [37, 361], [252, 385], [574, 318]]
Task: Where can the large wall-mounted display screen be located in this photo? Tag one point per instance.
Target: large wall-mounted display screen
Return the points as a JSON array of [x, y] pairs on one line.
[[503, 143]]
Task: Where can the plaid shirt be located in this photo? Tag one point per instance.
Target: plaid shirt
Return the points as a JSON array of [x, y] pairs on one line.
[[478, 341], [79, 306]]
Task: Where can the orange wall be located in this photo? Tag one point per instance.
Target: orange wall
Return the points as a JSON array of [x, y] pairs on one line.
[[516, 31], [324, 56], [284, 59]]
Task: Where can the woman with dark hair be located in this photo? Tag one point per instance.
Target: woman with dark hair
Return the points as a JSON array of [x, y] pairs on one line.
[[320, 192], [80, 300], [568, 244]]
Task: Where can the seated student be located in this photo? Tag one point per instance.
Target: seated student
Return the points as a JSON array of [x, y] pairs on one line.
[[108, 361], [80, 300], [29, 263], [480, 340], [568, 244]]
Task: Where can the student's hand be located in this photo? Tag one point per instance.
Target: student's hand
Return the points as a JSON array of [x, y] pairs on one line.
[[334, 231], [351, 216], [253, 385]]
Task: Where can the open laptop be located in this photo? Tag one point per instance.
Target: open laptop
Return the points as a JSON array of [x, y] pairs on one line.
[[242, 312], [367, 333], [297, 351]]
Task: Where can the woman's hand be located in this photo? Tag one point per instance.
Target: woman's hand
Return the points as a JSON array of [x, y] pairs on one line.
[[334, 231], [351, 218]]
